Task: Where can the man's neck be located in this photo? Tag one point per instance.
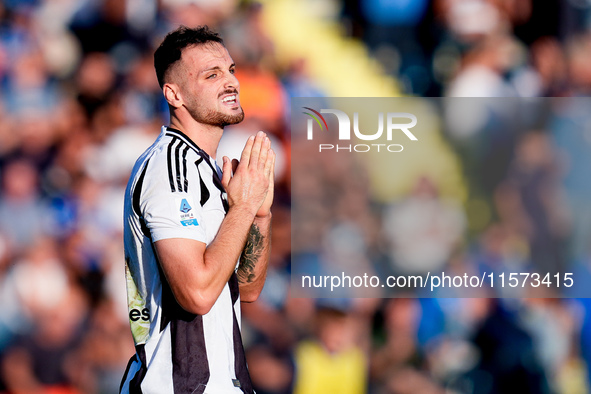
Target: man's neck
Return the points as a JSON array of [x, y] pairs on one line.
[[207, 137]]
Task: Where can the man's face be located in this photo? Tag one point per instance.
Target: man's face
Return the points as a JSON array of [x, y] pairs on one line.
[[210, 89]]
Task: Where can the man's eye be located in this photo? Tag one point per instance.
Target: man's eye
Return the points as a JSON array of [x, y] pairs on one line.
[[232, 71], [211, 76]]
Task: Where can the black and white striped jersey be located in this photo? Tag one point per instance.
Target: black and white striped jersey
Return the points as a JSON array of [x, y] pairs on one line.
[[175, 191]]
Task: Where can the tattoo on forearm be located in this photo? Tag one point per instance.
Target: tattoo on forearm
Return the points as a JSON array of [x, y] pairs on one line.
[[250, 255]]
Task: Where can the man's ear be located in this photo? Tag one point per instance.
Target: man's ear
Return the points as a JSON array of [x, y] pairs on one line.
[[172, 94]]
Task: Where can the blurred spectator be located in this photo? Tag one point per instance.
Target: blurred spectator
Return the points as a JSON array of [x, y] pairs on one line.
[[102, 26], [423, 230], [483, 69], [332, 361], [552, 325], [298, 83], [502, 248], [532, 20], [573, 155], [24, 216], [111, 161], [472, 20], [390, 30], [37, 362], [28, 287], [508, 363], [549, 62], [578, 57], [29, 91], [142, 98], [529, 202], [398, 365], [95, 81], [96, 363]]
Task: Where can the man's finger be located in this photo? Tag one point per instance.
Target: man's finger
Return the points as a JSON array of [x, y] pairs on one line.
[[269, 163], [226, 171], [245, 158], [256, 149], [272, 174], [264, 152]]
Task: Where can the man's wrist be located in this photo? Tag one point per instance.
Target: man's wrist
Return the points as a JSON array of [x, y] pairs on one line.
[[263, 219], [244, 211]]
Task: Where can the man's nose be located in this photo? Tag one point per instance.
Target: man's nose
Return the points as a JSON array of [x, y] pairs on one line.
[[232, 82]]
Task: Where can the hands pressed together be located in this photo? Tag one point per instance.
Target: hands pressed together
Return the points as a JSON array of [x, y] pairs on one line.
[[251, 185]]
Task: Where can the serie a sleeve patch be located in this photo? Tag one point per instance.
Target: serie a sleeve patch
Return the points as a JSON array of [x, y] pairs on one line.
[[184, 207]]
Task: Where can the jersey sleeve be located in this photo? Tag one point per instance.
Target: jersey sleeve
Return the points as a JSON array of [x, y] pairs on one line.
[[171, 200]]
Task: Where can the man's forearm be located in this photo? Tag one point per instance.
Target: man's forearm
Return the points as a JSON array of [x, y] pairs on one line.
[[196, 273], [252, 269]]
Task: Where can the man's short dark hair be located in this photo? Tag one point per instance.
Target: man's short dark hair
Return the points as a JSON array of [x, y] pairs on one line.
[[171, 48]]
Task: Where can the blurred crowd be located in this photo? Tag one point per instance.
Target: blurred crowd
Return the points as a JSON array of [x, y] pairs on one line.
[[79, 102], [526, 212], [478, 48]]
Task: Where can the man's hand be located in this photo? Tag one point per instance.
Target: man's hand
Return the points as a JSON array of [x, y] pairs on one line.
[[251, 186], [250, 190]]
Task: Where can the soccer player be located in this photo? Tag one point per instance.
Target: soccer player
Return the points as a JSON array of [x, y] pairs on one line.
[[197, 239]]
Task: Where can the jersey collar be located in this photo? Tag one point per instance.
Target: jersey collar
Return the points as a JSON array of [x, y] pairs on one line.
[[179, 134]]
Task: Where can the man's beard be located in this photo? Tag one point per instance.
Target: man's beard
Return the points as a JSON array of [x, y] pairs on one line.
[[214, 118]]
